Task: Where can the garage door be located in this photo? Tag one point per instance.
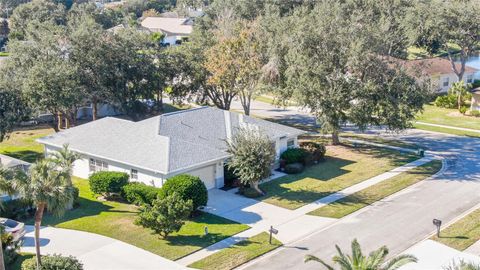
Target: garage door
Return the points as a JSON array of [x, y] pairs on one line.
[[206, 174]]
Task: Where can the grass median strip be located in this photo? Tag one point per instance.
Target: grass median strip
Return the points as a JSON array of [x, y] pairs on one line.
[[461, 234], [365, 197], [238, 254]]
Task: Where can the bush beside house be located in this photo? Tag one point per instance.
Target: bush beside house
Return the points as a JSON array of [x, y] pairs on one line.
[[139, 193], [188, 187], [293, 155], [107, 183], [53, 262]]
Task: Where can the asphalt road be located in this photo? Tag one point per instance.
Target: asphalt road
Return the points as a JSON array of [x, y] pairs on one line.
[[401, 220]]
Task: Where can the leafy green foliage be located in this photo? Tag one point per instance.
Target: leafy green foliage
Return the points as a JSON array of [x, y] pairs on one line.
[[188, 187], [16, 209], [475, 113], [105, 182], [54, 262], [315, 152], [252, 156], [446, 101], [294, 155], [166, 215], [10, 248], [139, 193], [374, 261]]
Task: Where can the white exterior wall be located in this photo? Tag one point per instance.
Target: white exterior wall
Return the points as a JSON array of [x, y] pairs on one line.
[[438, 80], [475, 106]]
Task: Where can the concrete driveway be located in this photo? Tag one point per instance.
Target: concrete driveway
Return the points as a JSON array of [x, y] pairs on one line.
[[96, 252], [402, 220]]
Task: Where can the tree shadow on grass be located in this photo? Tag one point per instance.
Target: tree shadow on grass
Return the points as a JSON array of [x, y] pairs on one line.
[[454, 237]]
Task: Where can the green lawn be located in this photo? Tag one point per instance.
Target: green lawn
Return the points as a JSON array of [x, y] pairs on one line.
[[116, 220], [4, 54], [463, 233], [381, 140], [238, 254], [419, 53], [21, 143], [447, 130], [344, 166], [365, 197], [448, 117]]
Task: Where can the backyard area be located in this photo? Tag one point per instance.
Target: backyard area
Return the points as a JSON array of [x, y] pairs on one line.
[[344, 166], [21, 143]]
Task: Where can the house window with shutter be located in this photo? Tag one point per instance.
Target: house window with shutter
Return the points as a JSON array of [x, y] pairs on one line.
[[96, 165]]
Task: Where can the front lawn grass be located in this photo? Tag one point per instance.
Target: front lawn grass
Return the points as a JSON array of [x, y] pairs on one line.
[[21, 143], [365, 197], [238, 254], [448, 117], [447, 130], [116, 220], [461, 234], [344, 166]]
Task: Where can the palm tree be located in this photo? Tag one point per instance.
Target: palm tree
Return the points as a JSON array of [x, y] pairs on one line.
[[462, 265], [48, 186], [6, 175], [65, 158], [357, 261], [460, 90]]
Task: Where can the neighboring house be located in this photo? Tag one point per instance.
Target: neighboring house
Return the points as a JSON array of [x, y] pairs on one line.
[[13, 163], [191, 141], [440, 72], [174, 29], [475, 104]]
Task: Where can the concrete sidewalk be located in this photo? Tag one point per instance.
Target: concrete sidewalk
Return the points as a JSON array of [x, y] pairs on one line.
[[96, 252]]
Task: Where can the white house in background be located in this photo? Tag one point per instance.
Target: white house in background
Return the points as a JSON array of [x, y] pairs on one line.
[[191, 141], [475, 104], [440, 72], [174, 29]]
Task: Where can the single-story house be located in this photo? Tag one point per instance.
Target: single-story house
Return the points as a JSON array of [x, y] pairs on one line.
[[440, 72], [174, 29], [12, 163], [475, 104], [150, 151]]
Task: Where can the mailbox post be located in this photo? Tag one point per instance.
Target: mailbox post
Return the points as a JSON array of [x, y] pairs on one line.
[[438, 224], [272, 231]]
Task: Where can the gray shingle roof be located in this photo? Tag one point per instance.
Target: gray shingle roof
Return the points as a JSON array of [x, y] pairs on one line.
[[165, 143]]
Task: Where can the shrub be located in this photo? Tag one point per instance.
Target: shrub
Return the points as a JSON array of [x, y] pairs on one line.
[[53, 262], [315, 152], [16, 209], [188, 187], [446, 101], [475, 113], [139, 193], [106, 183], [463, 109], [294, 155], [294, 168], [76, 195], [166, 215], [10, 247]]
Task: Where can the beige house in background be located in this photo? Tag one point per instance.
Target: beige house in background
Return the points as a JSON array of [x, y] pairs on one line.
[[440, 72], [174, 29]]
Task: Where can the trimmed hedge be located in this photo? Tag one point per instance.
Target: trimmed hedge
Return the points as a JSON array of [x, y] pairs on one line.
[[106, 182], [315, 152], [294, 168], [53, 262], [446, 101], [139, 193], [188, 187], [293, 155]]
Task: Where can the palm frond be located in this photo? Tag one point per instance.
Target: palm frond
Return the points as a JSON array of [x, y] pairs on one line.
[[309, 258]]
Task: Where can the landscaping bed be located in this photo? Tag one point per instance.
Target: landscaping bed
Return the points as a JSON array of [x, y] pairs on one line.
[[461, 234], [116, 220], [238, 254], [343, 166], [365, 197]]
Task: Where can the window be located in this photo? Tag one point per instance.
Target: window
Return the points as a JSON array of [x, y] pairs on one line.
[[97, 165], [446, 81], [470, 78], [133, 174], [291, 143]]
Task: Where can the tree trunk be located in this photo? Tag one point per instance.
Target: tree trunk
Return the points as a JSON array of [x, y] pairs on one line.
[[335, 138], [38, 222], [55, 121], [59, 121], [2, 262], [254, 185], [94, 108], [459, 100]]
